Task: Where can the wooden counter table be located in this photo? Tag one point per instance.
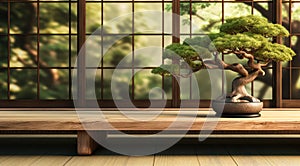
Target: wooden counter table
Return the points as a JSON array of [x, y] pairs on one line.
[[272, 121]]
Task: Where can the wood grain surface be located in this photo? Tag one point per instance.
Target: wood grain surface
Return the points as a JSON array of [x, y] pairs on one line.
[[155, 120]]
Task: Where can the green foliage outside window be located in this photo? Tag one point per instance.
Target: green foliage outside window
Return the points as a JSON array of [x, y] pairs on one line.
[[54, 47]]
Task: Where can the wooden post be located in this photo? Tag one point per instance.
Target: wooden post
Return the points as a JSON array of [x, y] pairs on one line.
[[81, 80], [85, 144], [176, 39], [277, 90]]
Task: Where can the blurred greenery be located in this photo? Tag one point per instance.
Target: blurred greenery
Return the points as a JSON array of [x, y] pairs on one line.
[[57, 48], [50, 50]]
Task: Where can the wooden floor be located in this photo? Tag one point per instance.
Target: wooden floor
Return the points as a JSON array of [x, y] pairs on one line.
[[62, 151]]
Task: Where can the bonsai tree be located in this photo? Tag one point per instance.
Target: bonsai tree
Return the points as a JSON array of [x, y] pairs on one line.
[[247, 37]]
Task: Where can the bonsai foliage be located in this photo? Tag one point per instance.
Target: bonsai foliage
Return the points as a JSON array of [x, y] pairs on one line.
[[247, 37]]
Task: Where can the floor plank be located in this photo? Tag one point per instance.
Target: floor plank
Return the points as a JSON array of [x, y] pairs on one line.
[[3, 158], [95, 160], [20, 161], [247, 155], [111, 160], [177, 155], [36, 152], [209, 155], [22, 153], [281, 155], [140, 160], [51, 161], [106, 157], [283, 160]]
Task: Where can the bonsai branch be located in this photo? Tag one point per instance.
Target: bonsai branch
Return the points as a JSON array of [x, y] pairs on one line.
[[239, 92], [251, 61], [240, 36], [217, 63]]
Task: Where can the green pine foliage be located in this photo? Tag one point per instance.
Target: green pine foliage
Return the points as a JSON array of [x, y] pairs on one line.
[[254, 35], [250, 34], [274, 51], [236, 42], [177, 49], [253, 24], [166, 70], [190, 55]]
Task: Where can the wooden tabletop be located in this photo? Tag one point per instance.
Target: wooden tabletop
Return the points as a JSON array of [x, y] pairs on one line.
[[154, 120]]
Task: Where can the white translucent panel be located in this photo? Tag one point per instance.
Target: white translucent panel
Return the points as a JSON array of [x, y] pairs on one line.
[[93, 17], [23, 84], [148, 51], [54, 18], [54, 50], [143, 18], [3, 84], [93, 85], [20, 57], [147, 85], [262, 86], [117, 51], [117, 17], [121, 79], [236, 10], [207, 17], [53, 89]]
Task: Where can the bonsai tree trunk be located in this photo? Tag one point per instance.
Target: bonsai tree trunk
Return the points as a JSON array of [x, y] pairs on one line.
[[239, 92]]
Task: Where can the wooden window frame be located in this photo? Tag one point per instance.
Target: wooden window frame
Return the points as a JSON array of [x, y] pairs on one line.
[[277, 100]]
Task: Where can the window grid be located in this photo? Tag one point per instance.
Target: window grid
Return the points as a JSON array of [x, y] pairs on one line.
[[38, 50], [292, 69], [36, 34], [250, 3], [133, 34], [133, 49], [102, 68], [8, 50]]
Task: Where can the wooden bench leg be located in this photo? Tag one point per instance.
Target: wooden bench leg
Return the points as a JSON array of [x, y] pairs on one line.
[[85, 144]]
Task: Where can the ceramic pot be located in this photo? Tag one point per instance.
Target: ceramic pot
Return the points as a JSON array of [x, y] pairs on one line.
[[236, 108]]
